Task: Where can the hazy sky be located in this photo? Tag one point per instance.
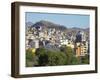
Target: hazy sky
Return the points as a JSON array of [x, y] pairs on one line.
[[68, 20]]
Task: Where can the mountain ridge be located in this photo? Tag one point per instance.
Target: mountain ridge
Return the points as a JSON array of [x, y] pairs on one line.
[[48, 24], [51, 24]]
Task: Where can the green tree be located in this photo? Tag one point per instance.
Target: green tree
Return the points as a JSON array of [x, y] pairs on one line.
[[56, 58], [40, 51], [75, 60], [85, 59], [50, 57], [71, 58], [69, 53], [41, 54]]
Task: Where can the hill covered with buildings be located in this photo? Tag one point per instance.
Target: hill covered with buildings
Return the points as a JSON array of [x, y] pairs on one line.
[[53, 37]]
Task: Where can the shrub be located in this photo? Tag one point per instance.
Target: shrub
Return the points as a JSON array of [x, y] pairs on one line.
[[29, 57], [85, 59], [29, 54]]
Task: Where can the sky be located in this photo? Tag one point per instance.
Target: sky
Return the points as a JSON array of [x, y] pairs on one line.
[[68, 20]]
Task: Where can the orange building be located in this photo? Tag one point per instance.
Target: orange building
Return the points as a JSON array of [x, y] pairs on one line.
[[81, 49], [78, 51]]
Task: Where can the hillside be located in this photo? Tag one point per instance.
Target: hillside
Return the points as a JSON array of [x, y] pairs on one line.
[[69, 31]]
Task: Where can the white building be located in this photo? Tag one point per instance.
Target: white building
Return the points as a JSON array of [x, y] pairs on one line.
[[83, 36], [64, 42], [34, 44]]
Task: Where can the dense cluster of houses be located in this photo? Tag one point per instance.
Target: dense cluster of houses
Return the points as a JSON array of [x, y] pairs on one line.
[[51, 38]]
